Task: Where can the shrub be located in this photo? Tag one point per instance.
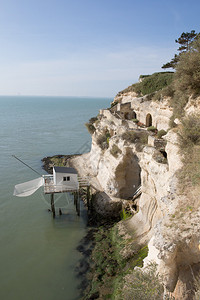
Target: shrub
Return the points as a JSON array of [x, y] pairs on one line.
[[115, 150], [189, 138], [140, 138], [102, 141], [186, 79], [187, 76], [135, 136], [161, 133], [143, 284], [172, 124], [90, 127], [124, 215], [135, 121], [152, 128], [93, 120], [113, 104], [190, 131], [167, 91]]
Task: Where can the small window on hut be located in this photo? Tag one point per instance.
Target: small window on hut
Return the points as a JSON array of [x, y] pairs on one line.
[[66, 178]]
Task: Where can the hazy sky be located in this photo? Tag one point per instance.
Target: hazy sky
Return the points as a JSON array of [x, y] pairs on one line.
[[87, 47]]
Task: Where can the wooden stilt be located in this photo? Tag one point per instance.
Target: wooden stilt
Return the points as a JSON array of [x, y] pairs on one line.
[[88, 197], [52, 205], [75, 200], [78, 204], [91, 202]]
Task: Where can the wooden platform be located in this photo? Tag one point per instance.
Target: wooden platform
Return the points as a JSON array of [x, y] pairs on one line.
[[58, 189], [50, 188]]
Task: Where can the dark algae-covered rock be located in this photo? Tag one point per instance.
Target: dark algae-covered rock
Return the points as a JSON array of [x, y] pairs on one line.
[[57, 160]]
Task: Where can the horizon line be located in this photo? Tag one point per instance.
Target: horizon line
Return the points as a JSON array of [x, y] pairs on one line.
[[63, 96]]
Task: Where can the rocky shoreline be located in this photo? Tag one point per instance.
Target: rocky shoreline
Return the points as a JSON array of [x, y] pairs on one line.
[[56, 160]]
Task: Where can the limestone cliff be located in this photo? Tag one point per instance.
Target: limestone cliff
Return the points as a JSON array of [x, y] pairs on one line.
[[125, 155]]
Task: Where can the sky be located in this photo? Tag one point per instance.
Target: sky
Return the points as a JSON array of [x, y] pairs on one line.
[[87, 47]]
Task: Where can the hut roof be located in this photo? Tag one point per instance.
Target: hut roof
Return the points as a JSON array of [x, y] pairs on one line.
[[65, 170]]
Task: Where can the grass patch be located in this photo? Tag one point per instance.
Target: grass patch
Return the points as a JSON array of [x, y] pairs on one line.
[[109, 265], [143, 285], [150, 83]]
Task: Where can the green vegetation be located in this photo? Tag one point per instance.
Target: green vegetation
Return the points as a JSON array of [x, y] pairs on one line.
[[103, 139], [185, 41], [143, 76], [190, 131], [90, 127], [186, 80], [151, 83], [58, 160], [167, 91], [152, 128], [135, 121], [189, 138], [145, 285], [93, 120], [125, 214], [161, 133], [115, 150], [139, 138], [109, 265], [133, 136]]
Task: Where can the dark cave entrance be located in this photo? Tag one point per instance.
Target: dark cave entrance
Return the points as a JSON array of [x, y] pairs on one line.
[[128, 175], [148, 120]]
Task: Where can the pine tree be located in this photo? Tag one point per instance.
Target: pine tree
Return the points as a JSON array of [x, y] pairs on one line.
[[185, 42]]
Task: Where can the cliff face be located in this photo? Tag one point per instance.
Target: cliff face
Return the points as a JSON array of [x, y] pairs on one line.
[[123, 157]]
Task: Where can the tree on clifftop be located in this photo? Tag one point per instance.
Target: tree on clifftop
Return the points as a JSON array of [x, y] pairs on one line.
[[185, 41]]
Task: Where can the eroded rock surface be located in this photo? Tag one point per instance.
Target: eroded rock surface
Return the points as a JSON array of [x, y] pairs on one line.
[[117, 167]]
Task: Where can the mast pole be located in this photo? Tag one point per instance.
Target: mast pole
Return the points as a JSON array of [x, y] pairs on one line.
[[26, 165]]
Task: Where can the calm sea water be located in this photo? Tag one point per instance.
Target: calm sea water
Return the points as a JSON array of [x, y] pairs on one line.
[[38, 254]]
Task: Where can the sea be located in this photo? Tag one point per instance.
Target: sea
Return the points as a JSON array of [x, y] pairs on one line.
[[38, 254]]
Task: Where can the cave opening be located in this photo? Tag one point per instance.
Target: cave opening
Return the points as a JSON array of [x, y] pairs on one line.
[[128, 175], [148, 120], [164, 153], [134, 116]]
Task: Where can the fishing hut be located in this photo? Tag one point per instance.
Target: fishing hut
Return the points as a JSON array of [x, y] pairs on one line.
[[63, 180]]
